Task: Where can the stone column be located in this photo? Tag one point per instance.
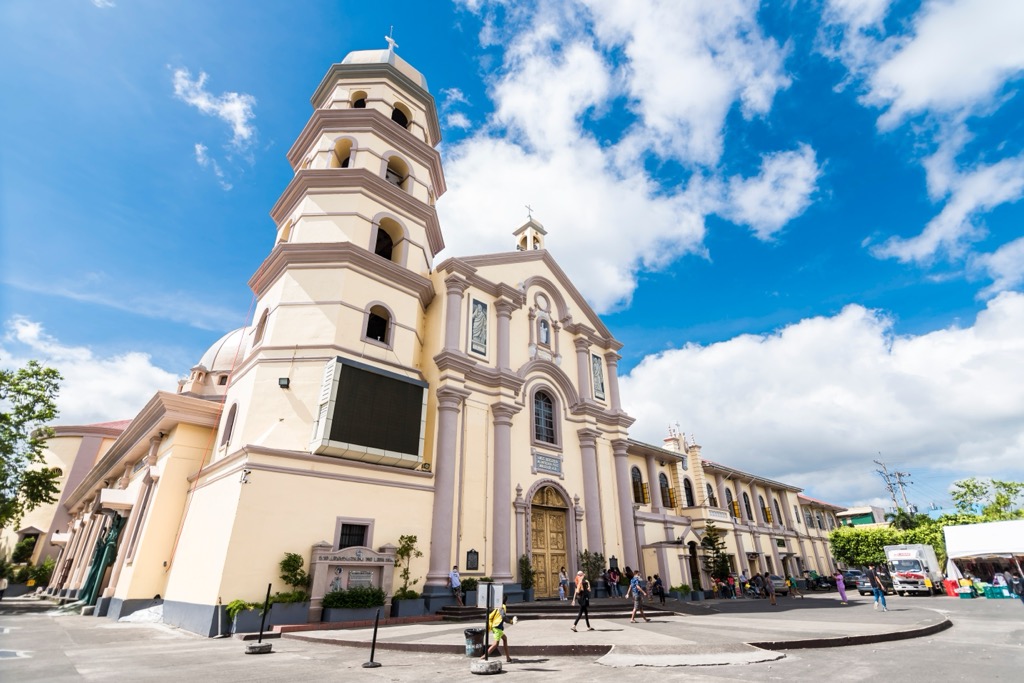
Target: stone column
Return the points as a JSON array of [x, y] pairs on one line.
[[449, 403], [591, 492], [611, 359], [641, 541], [741, 551], [504, 309], [87, 548], [623, 489], [652, 475], [583, 368], [684, 569], [578, 514], [455, 288], [520, 506], [502, 499]]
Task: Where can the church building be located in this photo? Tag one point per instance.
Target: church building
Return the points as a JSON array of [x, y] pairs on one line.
[[472, 403]]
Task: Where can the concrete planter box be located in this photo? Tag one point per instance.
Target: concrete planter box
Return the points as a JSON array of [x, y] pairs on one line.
[[470, 598], [697, 596], [416, 607], [527, 595], [248, 621], [332, 614]]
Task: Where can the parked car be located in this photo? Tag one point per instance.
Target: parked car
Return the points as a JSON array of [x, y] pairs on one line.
[[864, 586], [851, 577], [781, 587]]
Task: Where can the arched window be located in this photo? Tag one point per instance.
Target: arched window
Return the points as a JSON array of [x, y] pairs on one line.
[[261, 327], [766, 515], [712, 500], [342, 157], [543, 418], [734, 507], [385, 245], [821, 522], [401, 115], [359, 100], [378, 325], [746, 504], [668, 496], [229, 425], [222, 380], [688, 493], [544, 332], [639, 488], [397, 172], [778, 512]]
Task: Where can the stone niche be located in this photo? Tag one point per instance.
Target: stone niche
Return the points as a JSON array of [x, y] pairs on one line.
[[333, 570]]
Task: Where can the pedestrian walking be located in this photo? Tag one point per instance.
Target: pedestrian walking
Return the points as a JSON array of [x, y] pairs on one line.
[[769, 588], [794, 589], [840, 586], [496, 622], [584, 596], [636, 590], [578, 586], [659, 588], [877, 587], [563, 581]]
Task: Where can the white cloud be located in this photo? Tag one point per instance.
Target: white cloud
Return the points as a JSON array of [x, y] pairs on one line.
[[688, 65], [813, 403], [962, 54], [779, 193], [204, 160], [1005, 266], [95, 388], [952, 231], [685, 68], [104, 4], [235, 109], [458, 120]]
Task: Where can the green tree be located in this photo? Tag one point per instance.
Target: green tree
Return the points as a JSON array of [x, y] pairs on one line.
[[998, 500], [716, 561], [403, 558], [1004, 505], [857, 547], [27, 403]]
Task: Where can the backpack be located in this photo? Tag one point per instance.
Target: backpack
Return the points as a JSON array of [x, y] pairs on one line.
[[496, 619]]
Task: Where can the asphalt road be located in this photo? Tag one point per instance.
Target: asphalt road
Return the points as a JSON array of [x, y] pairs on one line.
[[986, 643]]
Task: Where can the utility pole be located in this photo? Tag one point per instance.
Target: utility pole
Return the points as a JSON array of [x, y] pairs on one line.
[[884, 473], [900, 483]]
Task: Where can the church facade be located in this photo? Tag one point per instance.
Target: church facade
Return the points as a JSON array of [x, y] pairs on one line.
[[471, 403]]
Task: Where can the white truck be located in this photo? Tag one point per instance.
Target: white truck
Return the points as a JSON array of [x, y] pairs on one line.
[[914, 569]]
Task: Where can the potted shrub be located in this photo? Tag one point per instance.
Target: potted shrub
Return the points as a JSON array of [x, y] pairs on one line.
[[469, 587], [407, 602], [244, 616], [679, 592], [592, 565], [359, 603], [526, 575], [291, 607]]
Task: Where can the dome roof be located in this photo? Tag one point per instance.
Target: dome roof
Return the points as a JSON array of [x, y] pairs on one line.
[[225, 352], [386, 57]]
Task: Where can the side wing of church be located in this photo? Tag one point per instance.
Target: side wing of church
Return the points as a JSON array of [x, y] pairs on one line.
[[472, 404]]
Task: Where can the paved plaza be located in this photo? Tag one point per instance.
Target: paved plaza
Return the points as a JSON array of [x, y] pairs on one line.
[[984, 642]]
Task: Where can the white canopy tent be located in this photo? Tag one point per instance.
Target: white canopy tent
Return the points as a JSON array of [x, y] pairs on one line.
[[990, 540]]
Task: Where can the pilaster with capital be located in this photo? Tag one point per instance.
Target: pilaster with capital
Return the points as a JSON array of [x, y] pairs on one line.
[[583, 367], [611, 359], [520, 505], [449, 404], [455, 287], [501, 570], [591, 490], [623, 490], [504, 310], [652, 476]]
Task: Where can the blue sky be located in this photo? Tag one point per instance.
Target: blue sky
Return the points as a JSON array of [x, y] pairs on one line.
[[803, 220]]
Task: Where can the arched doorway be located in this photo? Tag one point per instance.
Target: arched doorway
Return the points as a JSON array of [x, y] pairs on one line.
[[694, 566], [549, 512]]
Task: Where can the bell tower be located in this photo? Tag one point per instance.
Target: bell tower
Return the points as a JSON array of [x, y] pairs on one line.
[[530, 236], [357, 231]]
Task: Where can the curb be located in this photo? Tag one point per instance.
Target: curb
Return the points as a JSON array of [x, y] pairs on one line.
[[864, 639]]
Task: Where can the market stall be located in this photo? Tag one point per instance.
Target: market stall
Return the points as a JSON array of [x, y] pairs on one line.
[[982, 552]]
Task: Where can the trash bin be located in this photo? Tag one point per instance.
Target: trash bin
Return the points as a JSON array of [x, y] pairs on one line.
[[474, 642]]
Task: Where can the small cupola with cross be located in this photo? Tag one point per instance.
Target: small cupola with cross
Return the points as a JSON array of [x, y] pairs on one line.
[[531, 235]]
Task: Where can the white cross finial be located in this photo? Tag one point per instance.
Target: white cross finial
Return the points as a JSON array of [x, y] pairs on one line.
[[529, 212], [391, 41]]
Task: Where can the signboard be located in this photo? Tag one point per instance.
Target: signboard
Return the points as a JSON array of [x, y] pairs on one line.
[[497, 590], [543, 462], [360, 577]]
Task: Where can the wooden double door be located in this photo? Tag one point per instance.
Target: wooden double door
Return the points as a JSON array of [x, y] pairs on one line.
[[548, 541]]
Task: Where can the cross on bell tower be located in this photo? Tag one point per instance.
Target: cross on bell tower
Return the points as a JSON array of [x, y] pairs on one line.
[[530, 235]]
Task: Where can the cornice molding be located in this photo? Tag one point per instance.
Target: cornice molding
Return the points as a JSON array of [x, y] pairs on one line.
[[339, 72], [301, 255], [164, 412], [314, 181], [344, 121], [87, 430]]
